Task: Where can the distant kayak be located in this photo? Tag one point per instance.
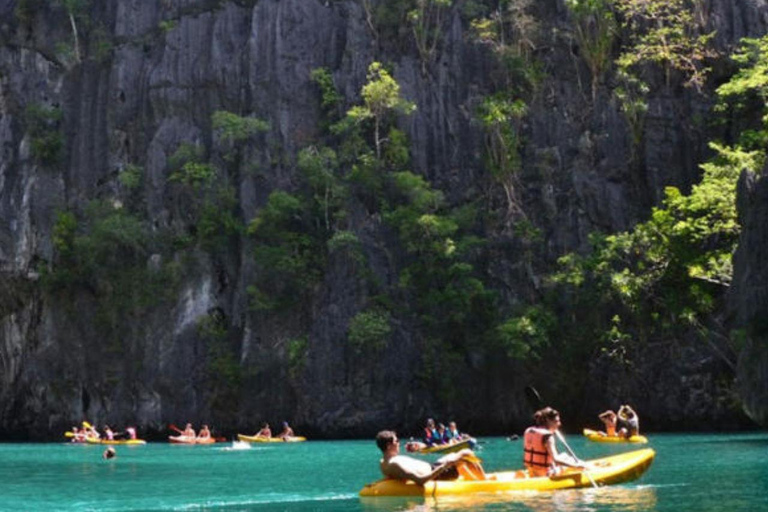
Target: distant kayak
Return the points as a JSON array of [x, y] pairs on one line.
[[606, 471], [262, 439], [449, 448], [190, 440], [600, 437], [91, 440]]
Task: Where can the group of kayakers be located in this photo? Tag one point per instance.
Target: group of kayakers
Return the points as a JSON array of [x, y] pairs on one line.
[[189, 432], [540, 453], [266, 432], [88, 431], [437, 435]]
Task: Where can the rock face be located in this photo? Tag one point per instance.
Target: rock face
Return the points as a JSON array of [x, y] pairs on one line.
[[749, 298], [149, 78]]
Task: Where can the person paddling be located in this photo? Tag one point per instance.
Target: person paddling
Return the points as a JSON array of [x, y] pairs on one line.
[[540, 454], [189, 431]]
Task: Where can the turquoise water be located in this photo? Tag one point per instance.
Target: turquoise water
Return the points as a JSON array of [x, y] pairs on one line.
[[701, 473]]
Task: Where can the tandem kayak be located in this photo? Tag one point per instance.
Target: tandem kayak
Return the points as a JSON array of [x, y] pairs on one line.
[[449, 448], [601, 437], [606, 471], [262, 439], [91, 440], [190, 440]]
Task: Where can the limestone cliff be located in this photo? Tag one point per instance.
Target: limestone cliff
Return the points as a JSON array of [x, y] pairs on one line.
[[138, 79]]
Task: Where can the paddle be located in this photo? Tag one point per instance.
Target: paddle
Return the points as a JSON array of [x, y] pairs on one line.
[[175, 428], [534, 401]]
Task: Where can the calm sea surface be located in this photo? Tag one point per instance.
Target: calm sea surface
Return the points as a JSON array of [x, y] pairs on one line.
[[697, 473]]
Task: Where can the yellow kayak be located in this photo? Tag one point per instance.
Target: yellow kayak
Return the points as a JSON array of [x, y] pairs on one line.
[[606, 471], [261, 439], [91, 440], [448, 448], [600, 437]]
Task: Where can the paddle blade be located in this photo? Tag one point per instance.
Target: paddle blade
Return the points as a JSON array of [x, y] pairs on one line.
[[87, 425], [175, 428], [533, 398], [69, 434]]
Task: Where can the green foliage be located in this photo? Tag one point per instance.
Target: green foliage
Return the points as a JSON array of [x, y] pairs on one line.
[[223, 373], [297, 355], [348, 242], [289, 253], [195, 174], [666, 33], [320, 167], [167, 25], [46, 139], [595, 30], [233, 128], [747, 90], [381, 98], [330, 99], [524, 336], [369, 331], [218, 222], [185, 153], [103, 253], [632, 93], [131, 176], [501, 116], [426, 19], [668, 273]]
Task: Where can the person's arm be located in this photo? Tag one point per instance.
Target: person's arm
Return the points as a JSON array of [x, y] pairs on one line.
[[401, 473], [563, 459]]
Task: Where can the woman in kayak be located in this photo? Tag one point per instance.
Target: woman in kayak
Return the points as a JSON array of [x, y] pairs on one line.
[[540, 454], [265, 431], [630, 422], [403, 467], [204, 433], [609, 420]]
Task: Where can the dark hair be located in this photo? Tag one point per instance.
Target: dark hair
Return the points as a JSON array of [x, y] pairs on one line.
[[543, 416], [385, 438]]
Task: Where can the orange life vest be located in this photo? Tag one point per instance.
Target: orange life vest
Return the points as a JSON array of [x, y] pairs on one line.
[[536, 457]]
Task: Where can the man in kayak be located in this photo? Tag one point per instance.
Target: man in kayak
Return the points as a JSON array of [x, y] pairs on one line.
[[609, 420], [540, 454], [630, 422], [403, 467], [287, 431], [189, 431]]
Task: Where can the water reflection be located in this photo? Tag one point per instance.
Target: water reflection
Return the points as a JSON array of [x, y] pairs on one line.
[[613, 499]]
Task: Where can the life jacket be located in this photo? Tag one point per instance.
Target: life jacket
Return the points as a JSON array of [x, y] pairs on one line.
[[536, 457], [610, 430], [431, 436]]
